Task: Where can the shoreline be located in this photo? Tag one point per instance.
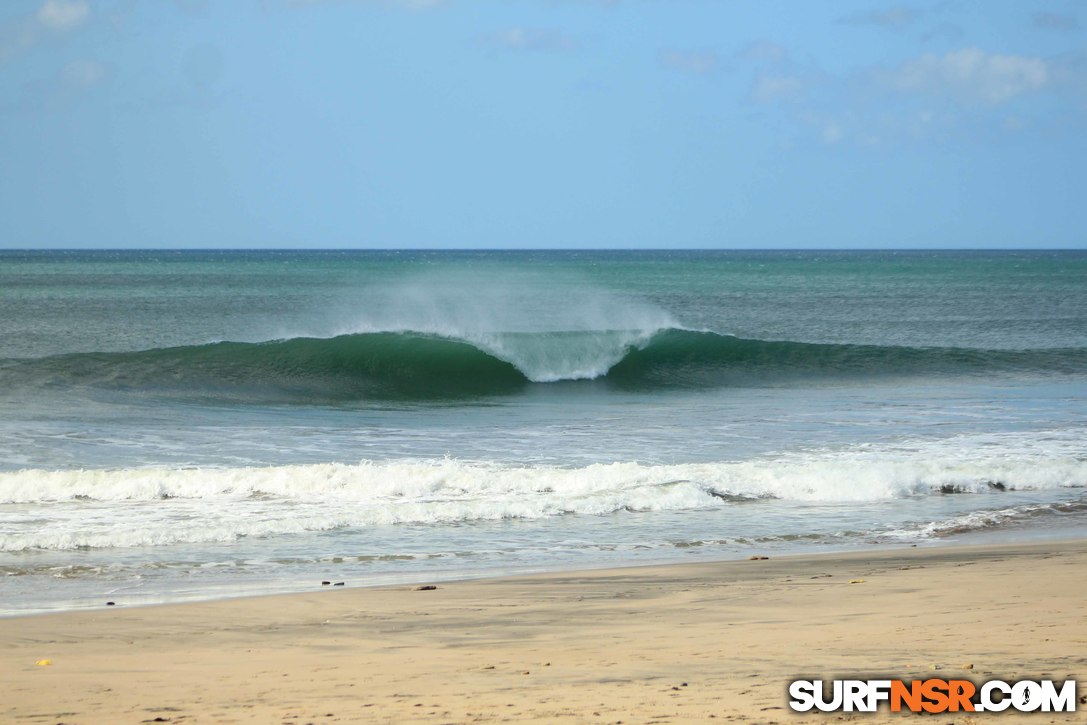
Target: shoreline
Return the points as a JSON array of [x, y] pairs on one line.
[[289, 587], [564, 645], [1024, 534]]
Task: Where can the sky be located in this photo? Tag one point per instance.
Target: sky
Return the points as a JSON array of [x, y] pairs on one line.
[[543, 124]]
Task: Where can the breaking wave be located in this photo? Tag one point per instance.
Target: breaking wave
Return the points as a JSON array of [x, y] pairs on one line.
[[168, 506], [415, 365]]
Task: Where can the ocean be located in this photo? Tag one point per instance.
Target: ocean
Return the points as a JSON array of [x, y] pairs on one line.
[[181, 425]]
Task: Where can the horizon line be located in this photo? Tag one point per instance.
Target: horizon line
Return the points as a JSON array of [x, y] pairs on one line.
[[543, 249]]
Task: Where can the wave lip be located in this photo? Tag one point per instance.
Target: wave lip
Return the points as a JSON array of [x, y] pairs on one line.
[[416, 365]]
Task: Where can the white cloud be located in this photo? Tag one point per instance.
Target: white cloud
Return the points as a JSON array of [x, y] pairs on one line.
[[71, 85], [832, 133], [697, 62], [896, 17], [543, 40], [971, 74], [773, 87], [82, 74], [53, 18], [63, 14], [777, 78], [764, 51], [927, 97]]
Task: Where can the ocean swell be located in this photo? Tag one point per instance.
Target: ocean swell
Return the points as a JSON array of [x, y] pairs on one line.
[[415, 365]]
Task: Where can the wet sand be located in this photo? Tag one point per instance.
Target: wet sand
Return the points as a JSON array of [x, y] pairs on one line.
[[675, 643]]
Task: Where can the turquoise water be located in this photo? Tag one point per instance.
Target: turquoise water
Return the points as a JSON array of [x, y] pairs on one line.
[[185, 425]]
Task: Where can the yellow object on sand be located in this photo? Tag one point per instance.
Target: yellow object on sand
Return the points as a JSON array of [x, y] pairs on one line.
[[43, 663], [856, 581]]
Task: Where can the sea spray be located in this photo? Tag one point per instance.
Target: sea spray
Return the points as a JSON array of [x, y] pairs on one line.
[[550, 326], [470, 304]]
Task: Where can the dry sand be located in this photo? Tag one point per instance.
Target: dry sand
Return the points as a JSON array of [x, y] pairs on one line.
[[680, 643]]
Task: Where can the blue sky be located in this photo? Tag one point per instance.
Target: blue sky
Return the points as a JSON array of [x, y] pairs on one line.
[[542, 123]]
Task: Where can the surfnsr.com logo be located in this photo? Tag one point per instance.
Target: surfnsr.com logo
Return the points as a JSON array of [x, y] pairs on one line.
[[932, 695]]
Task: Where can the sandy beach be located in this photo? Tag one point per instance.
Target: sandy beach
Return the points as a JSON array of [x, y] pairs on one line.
[[677, 643]]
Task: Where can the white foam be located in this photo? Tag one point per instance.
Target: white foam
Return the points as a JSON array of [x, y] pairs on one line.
[[155, 506], [550, 357], [984, 519]]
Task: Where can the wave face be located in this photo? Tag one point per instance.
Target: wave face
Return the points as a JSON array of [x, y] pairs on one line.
[[685, 357], [414, 365], [169, 505], [419, 365], [348, 367]]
